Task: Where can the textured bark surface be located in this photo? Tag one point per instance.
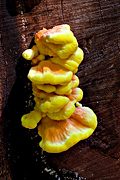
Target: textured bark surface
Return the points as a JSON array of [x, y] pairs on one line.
[[96, 24]]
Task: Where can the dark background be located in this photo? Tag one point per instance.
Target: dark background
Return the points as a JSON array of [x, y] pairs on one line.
[[96, 25]]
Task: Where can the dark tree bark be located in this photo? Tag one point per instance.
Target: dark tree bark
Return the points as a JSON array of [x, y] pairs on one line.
[[96, 25]]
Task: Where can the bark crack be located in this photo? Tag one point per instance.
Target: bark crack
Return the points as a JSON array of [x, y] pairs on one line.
[[62, 11], [46, 13]]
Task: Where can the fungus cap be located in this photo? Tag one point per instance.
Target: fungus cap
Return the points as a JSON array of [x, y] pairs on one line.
[[49, 73], [59, 136]]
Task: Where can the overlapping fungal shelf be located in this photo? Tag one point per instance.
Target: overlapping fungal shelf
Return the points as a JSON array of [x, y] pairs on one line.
[[59, 117]]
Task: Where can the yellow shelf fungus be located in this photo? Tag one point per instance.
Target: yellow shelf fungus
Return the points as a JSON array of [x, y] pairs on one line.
[[59, 117], [47, 72], [59, 136]]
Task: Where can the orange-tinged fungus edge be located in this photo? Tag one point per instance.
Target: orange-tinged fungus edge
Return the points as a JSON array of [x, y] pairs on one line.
[[76, 95], [59, 136], [49, 73]]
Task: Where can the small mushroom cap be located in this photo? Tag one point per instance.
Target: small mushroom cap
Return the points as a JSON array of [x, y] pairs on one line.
[[31, 119], [59, 136], [49, 73], [28, 54]]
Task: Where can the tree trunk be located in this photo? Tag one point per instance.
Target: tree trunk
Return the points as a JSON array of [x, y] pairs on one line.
[[96, 25]]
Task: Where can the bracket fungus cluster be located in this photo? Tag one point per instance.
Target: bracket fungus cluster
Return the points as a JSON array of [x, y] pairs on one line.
[[59, 117]]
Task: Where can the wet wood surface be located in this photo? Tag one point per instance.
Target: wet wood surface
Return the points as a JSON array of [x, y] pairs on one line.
[[96, 25]]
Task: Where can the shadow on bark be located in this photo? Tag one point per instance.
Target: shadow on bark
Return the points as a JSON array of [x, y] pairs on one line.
[[16, 7]]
